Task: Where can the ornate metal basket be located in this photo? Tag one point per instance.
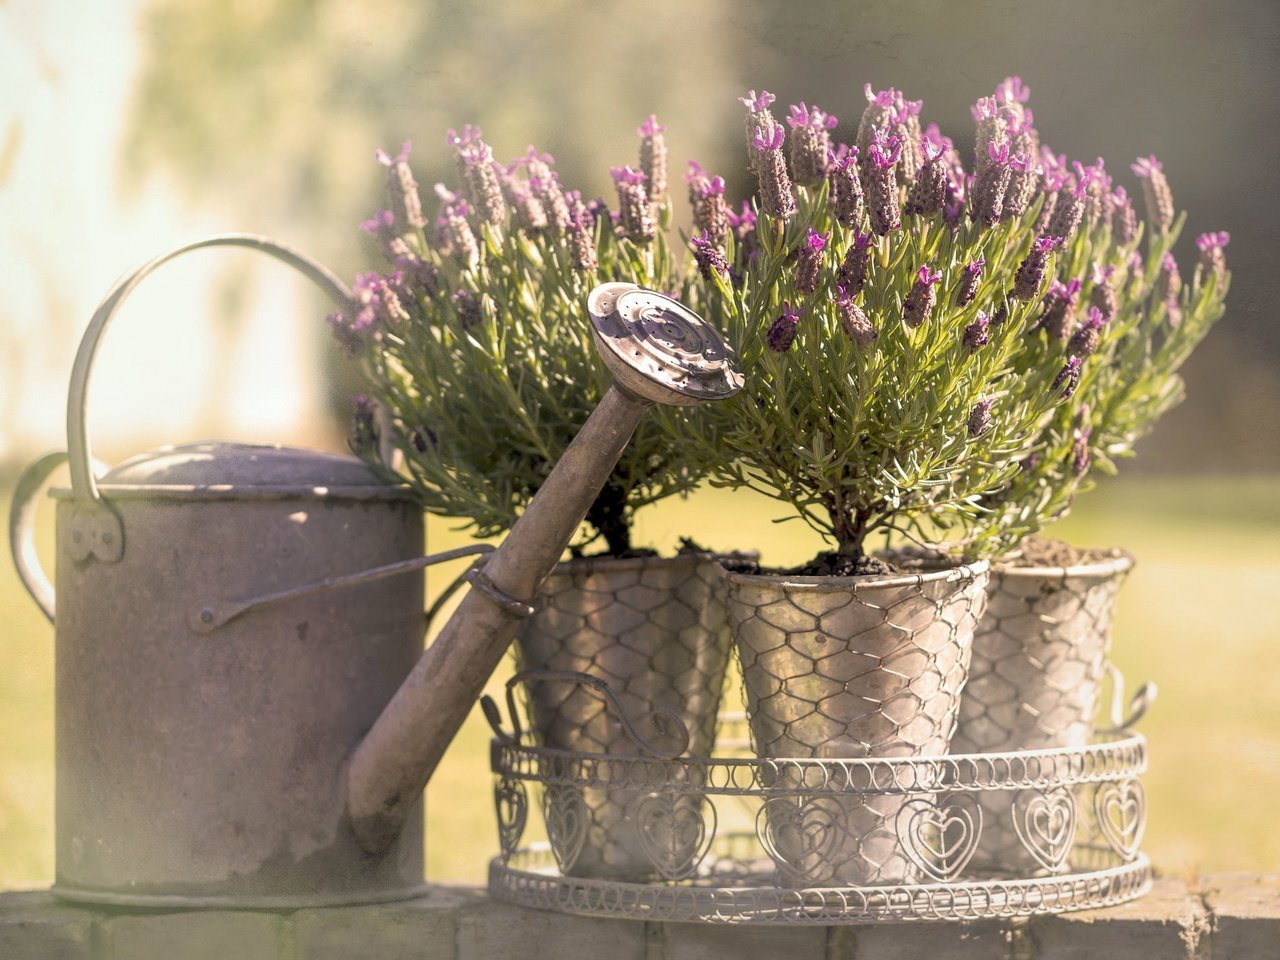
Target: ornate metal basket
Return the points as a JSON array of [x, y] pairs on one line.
[[743, 840]]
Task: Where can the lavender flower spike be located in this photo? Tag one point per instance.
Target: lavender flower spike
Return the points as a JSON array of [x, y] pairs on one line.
[[809, 261], [1124, 222], [760, 121], [929, 191], [1085, 340], [986, 202], [1060, 309], [967, 288], [636, 217], [783, 331], [1155, 192], [882, 183], [980, 417], [845, 186], [810, 142], [709, 257], [921, 298], [1081, 458], [481, 182], [653, 158], [1212, 259], [852, 275], [853, 321], [771, 169], [1026, 282], [1068, 377], [402, 187], [977, 334]]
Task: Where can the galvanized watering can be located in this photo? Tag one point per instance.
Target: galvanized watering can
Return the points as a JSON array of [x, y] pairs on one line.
[[244, 715]]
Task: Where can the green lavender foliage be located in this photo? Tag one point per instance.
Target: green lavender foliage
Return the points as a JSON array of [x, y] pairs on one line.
[[865, 439], [1126, 386], [482, 406]]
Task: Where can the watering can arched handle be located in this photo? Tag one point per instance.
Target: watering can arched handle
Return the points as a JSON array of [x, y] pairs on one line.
[[101, 532], [22, 545]]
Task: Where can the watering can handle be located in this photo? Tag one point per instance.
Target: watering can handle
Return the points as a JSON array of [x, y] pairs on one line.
[[22, 514], [103, 536]]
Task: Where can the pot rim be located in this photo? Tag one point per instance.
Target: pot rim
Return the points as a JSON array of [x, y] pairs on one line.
[[976, 570], [1120, 561], [578, 564]]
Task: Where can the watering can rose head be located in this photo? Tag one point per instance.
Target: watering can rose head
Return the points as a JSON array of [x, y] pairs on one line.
[[931, 350]]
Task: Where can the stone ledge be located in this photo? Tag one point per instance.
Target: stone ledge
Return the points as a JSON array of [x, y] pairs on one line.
[[1232, 916]]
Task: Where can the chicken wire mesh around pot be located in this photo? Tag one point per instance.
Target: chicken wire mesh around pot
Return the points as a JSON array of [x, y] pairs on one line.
[[1039, 655], [655, 631], [844, 668]]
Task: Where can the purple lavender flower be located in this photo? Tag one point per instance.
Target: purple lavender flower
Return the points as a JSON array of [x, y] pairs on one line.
[[1155, 192], [383, 226], [402, 187], [1212, 259], [882, 108], [1068, 211], [653, 158], [581, 234], [977, 334], [906, 127], [810, 142], [1060, 309], [423, 275], [992, 134], [845, 186], [709, 257], [986, 202], [530, 214], [1024, 178], [743, 225], [856, 265], [710, 211], [809, 261], [980, 417], [1103, 295], [776, 198], [783, 331], [967, 288], [481, 182], [378, 302], [760, 122], [929, 191], [1026, 282], [349, 338], [1167, 287], [1068, 377], [1124, 221], [921, 298], [636, 216], [853, 320], [1085, 339], [882, 185], [1081, 457], [457, 236]]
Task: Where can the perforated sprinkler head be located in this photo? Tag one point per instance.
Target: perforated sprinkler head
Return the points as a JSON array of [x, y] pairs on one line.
[[659, 350]]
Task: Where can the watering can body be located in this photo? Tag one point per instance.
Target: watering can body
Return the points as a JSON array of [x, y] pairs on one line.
[[204, 766]]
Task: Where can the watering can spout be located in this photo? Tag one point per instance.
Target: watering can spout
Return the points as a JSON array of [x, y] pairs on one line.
[[658, 352]]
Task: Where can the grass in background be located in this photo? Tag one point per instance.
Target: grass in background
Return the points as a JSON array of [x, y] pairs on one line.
[[1197, 616]]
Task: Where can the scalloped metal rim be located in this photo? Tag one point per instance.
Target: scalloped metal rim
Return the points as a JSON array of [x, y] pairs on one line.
[[534, 882]]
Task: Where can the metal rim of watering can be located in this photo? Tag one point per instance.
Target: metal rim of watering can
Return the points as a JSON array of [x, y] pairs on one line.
[[101, 534]]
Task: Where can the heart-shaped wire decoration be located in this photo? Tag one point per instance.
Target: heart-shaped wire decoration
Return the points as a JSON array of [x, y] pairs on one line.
[[802, 836], [675, 831], [511, 801], [1121, 811], [1045, 821], [940, 839], [565, 814]]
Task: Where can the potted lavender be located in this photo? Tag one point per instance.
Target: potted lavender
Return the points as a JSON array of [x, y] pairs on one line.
[[881, 302], [917, 367], [480, 370]]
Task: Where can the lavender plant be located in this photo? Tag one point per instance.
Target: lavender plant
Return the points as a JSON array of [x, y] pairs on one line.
[[473, 336], [929, 352]]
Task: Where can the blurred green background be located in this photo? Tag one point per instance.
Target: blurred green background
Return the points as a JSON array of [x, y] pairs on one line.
[[130, 125]]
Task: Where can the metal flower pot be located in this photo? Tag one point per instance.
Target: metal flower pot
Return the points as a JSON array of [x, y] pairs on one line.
[[655, 631], [850, 667], [1039, 656]]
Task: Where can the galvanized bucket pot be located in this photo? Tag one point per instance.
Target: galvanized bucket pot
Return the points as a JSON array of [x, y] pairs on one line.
[[655, 631], [1039, 657], [850, 667]]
